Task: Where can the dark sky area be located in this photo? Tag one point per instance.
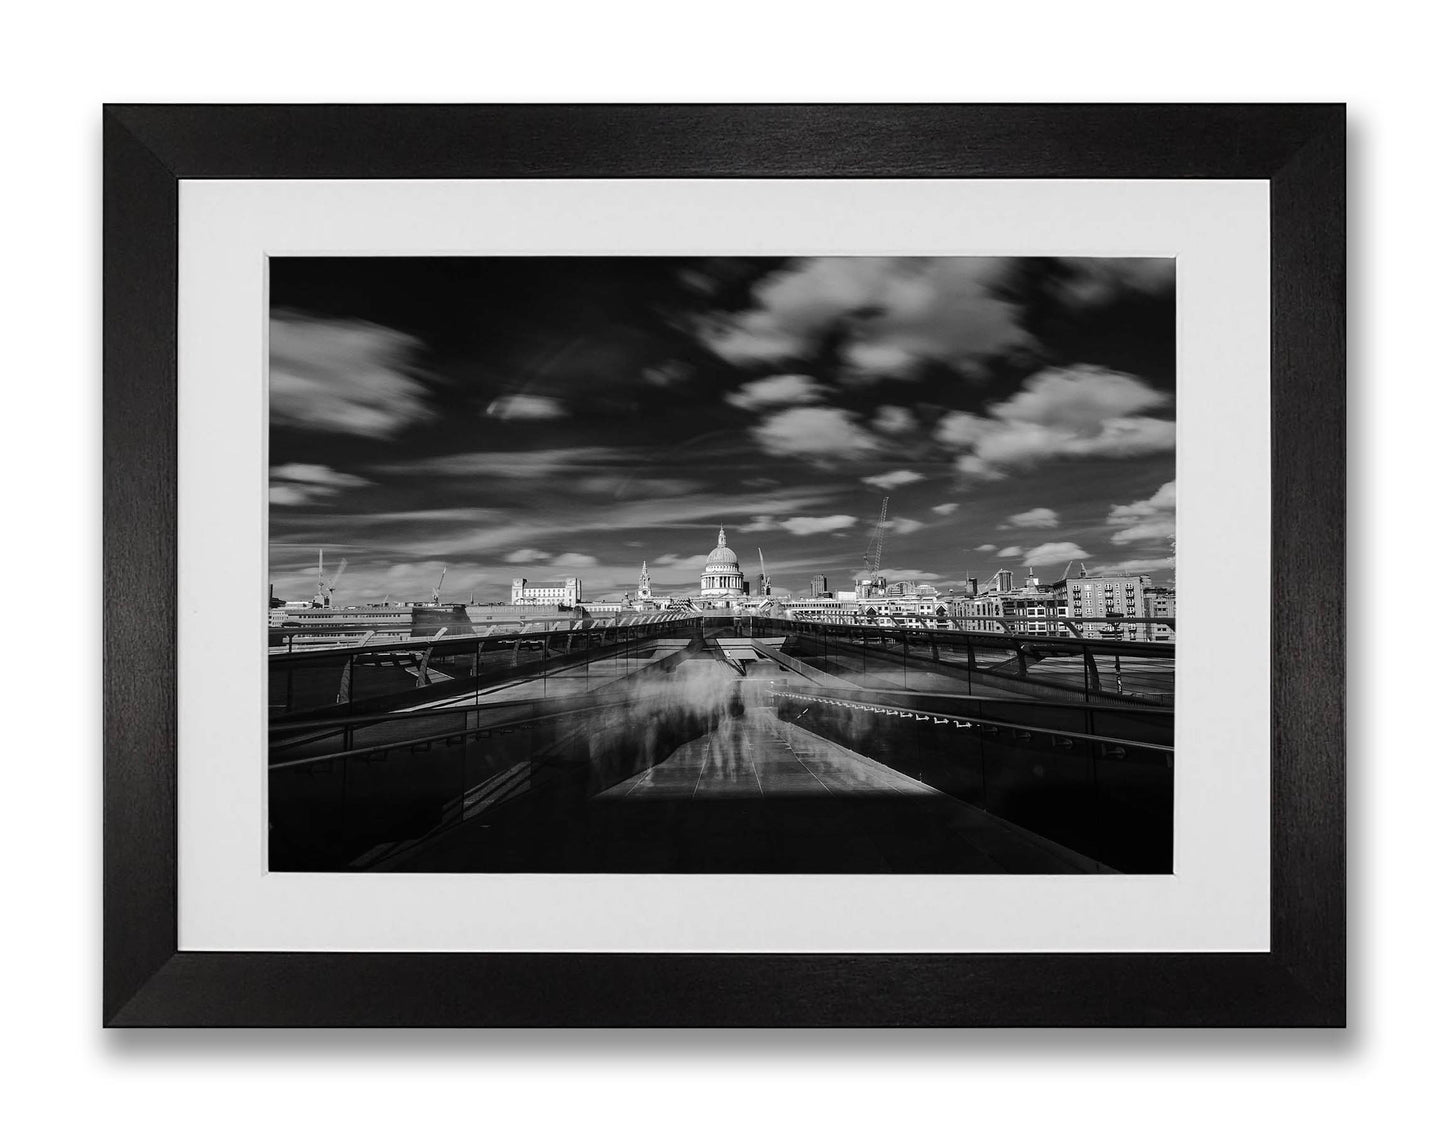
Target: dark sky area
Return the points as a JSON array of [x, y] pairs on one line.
[[553, 416]]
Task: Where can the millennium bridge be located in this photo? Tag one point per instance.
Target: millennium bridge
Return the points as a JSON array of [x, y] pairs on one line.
[[714, 742]]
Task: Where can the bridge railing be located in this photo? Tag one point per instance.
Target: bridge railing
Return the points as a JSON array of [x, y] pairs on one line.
[[342, 788], [1092, 668], [308, 637], [1102, 794], [346, 680]]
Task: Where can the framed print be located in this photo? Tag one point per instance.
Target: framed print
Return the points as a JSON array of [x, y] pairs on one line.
[[724, 565]]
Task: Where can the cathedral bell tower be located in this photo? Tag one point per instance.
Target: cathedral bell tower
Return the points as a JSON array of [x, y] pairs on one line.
[[644, 584]]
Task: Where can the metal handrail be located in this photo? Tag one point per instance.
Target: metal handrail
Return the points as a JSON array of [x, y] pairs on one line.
[[469, 641], [974, 721], [398, 745], [1108, 646]]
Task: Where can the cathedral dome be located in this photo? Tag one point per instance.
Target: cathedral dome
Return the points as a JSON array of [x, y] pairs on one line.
[[722, 579], [722, 554]]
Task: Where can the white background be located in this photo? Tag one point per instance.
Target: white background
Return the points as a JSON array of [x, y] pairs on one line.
[[63, 60]]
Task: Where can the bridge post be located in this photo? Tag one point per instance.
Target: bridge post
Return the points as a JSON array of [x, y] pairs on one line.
[[1022, 659], [343, 692], [1091, 673]]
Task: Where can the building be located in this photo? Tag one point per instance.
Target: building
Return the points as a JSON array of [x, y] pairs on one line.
[[819, 585], [1032, 610], [1159, 603], [844, 610], [1109, 596], [722, 580], [644, 585], [568, 595]]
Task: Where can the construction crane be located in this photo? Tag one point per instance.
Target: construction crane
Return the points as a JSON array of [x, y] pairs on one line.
[[765, 581], [325, 588], [436, 592], [873, 555]]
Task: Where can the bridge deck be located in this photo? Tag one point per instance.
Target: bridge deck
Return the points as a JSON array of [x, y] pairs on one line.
[[757, 795]]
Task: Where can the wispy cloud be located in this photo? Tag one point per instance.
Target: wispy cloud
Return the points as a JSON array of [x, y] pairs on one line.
[[525, 407], [1149, 520], [526, 464], [777, 391], [817, 434], [1054, 553], [1060, 413], [893, 480], [344, 376], [808, 526], [298, 483], [892, 314], [1096, 281], [894, 420], [1033, 518]]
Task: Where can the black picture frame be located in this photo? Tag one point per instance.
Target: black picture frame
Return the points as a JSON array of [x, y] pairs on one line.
[[1299, 149]]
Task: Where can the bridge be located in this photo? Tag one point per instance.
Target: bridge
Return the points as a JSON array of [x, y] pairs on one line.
[[725, 743]]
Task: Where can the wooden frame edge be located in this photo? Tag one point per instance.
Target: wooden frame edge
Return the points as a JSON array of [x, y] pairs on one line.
[[149, 982]]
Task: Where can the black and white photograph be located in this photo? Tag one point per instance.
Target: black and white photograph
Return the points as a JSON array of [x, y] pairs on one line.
[[721, 565]]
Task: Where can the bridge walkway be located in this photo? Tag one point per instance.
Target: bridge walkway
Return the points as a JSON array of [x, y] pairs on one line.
[[759, 795]]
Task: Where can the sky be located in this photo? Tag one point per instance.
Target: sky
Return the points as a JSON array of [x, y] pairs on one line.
[[553, 416]]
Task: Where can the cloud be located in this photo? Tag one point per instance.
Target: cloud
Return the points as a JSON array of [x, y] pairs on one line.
[[1134, 567], [893, 480], [511, 407], [892, 315], [526, 556], [344, 376], [687, 563], [819, 434], [1149, 520], [1009, 553], [574, 559], [568, 461], [315, 475], [1059, 413], [1046, 554], [669, 373], [1153, 530], [904, 526], [986, 548], [900, 574], [1097, 281], [946, 509], [290, 495], [776, 391], [301, 483], [807, 526], [1034, 518], [889, 419]]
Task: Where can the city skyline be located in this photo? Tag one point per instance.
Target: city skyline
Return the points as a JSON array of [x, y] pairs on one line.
[[550, 417]]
